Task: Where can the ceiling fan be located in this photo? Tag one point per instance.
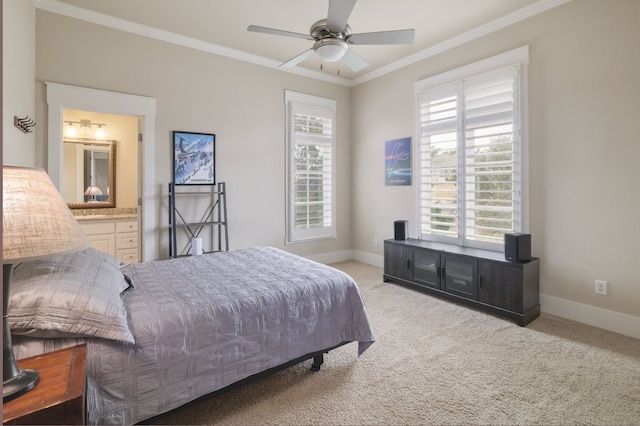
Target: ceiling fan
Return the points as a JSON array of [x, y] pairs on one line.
[[332, 37]]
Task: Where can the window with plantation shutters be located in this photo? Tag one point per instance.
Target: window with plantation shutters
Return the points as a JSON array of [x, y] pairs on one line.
[[310, 167], [471, 165]]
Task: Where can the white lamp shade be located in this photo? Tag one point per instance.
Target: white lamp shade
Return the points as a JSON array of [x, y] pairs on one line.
[[93, 190], [100, 132], [330, 49], [36, 222], [71, 131]]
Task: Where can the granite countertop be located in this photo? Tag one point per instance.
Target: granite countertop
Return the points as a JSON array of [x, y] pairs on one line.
[[83, 218]]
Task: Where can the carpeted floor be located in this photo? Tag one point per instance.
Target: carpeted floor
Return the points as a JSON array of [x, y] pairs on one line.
[[435, 362]]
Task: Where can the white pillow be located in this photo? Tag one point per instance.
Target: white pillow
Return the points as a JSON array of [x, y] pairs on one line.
[[71, 295]]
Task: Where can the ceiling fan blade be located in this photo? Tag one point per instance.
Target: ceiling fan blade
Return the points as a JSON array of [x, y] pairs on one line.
[[339, 12], [295, 61], [353, 61], [383, 37], [265, 30]]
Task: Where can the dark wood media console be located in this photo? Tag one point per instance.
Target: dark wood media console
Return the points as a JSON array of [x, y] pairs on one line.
[[480, 278]]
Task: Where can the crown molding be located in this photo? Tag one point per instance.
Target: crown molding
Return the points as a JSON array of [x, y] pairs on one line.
[[64, 9], [70, 11], [489, 27]]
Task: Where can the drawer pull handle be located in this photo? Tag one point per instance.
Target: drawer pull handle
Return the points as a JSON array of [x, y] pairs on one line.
[[408, 264], [479, 280]]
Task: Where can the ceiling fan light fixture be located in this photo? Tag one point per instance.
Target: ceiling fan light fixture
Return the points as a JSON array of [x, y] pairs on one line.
[[331, 49], [332, 37]]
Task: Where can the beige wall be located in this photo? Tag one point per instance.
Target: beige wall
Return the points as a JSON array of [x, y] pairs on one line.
[[18, 72], [584, 102], [242, 104], [584, 105]]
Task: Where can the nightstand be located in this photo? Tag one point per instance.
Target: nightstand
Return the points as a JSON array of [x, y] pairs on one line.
[[59, 396]]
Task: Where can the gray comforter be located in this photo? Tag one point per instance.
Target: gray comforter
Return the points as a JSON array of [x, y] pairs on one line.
[[202, 323]]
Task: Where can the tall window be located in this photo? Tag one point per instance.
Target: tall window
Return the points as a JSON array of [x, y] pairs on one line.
[[310, 167], [471, 152]]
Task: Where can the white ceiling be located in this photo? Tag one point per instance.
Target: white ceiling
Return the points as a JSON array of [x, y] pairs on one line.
[[222, 26]]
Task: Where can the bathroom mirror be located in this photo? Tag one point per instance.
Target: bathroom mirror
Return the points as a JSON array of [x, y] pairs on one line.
[[89, 173]]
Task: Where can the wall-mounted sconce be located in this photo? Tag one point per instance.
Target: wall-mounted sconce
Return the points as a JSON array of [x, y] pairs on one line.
[[84, 129]]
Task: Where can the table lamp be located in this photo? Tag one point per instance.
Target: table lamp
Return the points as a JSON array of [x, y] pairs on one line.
[[93, 191], [36, 223]]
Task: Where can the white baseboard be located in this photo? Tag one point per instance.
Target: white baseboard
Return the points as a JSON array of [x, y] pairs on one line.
[[368, 258], [344, 255], [332, 257], [617, 322]]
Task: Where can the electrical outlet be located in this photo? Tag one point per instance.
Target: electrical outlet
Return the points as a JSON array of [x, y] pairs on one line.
[[375, 242], [601, 287]]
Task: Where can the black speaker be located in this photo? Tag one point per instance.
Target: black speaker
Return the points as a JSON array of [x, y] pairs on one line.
[[517, 247], [401, 229]]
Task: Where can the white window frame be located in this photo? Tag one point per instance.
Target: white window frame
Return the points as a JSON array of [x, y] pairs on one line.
[[520, 58], [322, 107]]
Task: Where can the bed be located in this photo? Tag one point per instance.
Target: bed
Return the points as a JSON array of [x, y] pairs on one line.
[[161, 334]]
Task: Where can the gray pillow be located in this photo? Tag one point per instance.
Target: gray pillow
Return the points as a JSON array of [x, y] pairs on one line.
[[71, 295]]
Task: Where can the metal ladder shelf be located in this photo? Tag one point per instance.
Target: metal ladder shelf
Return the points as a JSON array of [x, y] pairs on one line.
[[215, 215]]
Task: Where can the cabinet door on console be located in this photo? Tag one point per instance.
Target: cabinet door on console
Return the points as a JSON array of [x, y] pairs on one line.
[[397, 261], [459, 276], [426, 267], [500, 285]]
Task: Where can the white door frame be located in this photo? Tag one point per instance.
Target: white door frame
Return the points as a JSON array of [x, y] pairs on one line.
[[62, 96]]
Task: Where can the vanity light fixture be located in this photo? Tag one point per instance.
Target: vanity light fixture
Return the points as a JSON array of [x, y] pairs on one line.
[[100, 131], [70, 131], [85, 129]]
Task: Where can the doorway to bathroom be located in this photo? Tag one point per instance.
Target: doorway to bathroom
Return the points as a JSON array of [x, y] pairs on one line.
[[72, 103]]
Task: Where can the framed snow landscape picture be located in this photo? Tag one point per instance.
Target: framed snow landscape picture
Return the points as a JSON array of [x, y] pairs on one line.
[[194, 158]]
